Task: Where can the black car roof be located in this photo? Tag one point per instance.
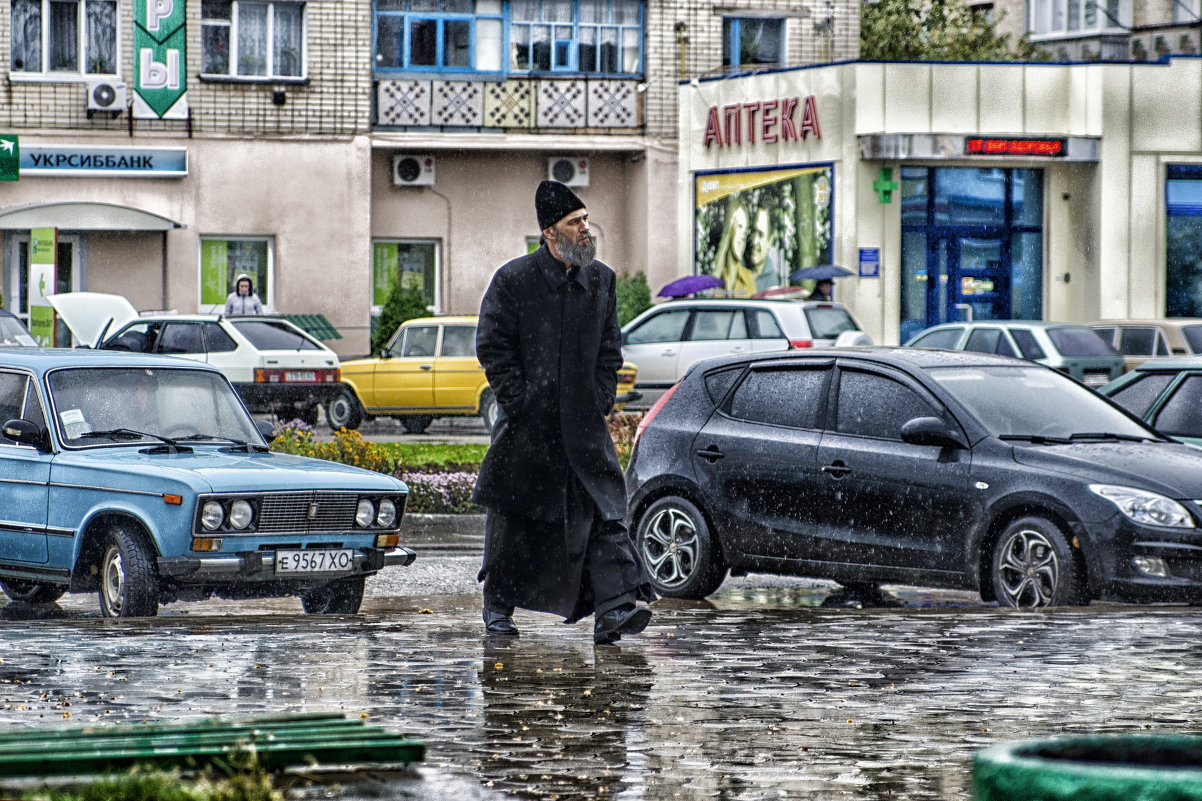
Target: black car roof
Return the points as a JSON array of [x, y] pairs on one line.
[[896, 356]]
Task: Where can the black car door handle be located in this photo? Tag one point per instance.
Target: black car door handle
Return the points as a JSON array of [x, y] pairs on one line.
[[711, 453], [836, 470]]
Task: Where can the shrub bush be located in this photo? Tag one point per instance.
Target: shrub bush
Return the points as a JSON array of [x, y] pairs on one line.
[[633, 296], [347, 447]]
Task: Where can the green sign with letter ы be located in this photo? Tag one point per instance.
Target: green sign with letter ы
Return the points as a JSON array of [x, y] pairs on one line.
[[160, 60]]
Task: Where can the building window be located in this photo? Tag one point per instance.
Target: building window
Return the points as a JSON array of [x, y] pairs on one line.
[[439, 35], [252, 40], [64, 36], [587, 36], [223, 259], [1183, 248], [413, 263], [750, 42], [1053, 18]]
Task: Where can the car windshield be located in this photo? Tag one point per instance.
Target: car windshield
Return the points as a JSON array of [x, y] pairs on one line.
[[828, 322], [274, 335], [1077, 340], [156, 402], [12, 332], [1022, 401]]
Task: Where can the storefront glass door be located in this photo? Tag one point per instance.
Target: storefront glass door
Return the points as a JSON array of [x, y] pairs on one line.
[[970, 246], [68, 279]]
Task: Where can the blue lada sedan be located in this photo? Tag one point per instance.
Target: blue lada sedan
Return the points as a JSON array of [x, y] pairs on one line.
[[145, 480]]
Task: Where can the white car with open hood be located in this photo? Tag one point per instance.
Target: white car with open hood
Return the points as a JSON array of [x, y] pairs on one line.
[[275, 366]]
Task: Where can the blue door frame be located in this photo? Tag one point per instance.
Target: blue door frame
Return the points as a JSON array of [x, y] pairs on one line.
[[971, 268]]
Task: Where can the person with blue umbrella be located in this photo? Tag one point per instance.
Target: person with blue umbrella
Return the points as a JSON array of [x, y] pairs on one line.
[[823, 277]]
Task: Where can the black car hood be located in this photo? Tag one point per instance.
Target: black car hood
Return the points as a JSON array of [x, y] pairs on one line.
[[1169, 468]]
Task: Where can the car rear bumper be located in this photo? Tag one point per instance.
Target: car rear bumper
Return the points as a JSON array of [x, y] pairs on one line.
[[260, 566], [264, 396]]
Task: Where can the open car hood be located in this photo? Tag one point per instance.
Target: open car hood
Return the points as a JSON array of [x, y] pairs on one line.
[[91, 314]]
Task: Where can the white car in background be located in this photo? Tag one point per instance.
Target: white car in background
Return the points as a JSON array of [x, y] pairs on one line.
[[276, 367], [669, 338]]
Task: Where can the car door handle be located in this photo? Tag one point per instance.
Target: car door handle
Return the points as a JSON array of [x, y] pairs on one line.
[[426, 366], [711, 453], [836, 469], [668, 352]]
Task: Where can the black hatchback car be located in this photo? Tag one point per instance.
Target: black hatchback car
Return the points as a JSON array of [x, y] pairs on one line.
[[913, 466]]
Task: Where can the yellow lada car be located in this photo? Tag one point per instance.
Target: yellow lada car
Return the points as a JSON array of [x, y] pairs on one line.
[[427, 370]]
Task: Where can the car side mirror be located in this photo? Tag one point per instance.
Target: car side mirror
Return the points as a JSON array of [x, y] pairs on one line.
[[26, 433], [930, 431], [266, 430], [384, 353]]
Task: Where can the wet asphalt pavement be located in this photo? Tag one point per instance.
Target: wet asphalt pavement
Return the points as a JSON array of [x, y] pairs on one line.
[[759, 693]]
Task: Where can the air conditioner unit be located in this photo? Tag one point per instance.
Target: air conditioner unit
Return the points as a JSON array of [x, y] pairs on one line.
[[106, 96], [412, 170], [569, 170]]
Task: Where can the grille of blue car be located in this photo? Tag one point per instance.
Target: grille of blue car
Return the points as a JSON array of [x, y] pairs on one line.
[[307, 511]]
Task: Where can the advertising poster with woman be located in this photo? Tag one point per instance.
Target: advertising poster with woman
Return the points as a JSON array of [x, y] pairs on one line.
[[754, 228]]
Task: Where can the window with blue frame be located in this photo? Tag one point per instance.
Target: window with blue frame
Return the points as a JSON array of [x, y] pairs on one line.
[[595, 37], [1183, 246], [439, 35], [748, 42], [585, 36]]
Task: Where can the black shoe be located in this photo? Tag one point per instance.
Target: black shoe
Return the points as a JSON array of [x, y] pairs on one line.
[[610, 626], [499, 622]]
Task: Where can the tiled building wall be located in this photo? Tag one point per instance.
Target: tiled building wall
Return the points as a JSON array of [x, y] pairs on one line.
[[335, 100], [810, 39]]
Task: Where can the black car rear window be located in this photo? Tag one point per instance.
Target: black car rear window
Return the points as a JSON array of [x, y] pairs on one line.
[[1138, 396], [274, 335], [719, 382], [1077, 340], [784, 397]]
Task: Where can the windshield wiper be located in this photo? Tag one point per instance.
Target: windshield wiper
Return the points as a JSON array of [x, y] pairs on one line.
[[130, 434], [1038, 439], [249, 447], [1109, 435]]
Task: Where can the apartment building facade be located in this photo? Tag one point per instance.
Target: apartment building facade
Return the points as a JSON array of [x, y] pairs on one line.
[[331, 148]]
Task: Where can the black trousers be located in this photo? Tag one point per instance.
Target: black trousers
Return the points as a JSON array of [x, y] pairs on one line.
[[575, 566]]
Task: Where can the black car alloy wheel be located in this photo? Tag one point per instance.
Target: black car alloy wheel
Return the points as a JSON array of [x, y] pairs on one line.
[[1033, 566], [680, 556]]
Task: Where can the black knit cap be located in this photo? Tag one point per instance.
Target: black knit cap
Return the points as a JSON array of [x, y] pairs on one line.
[[552, 202]]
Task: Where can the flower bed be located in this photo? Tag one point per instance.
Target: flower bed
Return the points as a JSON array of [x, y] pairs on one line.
[[440, 493]]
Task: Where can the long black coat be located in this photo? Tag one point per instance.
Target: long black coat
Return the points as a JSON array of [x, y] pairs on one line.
[[551, 348]]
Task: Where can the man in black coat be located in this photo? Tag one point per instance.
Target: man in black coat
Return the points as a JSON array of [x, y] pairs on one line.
[[548, 338]]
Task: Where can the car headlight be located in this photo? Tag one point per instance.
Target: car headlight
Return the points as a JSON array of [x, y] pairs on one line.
[[241, 513], [1146, 508], [211, 515], [387, 514], [365, 513]]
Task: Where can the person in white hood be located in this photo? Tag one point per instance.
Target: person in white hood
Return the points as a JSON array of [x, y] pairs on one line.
[[243, 299]]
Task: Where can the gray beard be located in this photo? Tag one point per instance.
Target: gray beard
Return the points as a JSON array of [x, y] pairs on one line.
[[578, 255]]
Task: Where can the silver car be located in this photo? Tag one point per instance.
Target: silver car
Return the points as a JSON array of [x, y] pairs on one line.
[[1075, 350], [669, 338]]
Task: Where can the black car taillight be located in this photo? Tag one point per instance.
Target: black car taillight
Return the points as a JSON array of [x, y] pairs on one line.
[[652, 412]]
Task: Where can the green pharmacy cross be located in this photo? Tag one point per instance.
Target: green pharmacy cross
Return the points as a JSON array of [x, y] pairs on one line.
[[884, 185]]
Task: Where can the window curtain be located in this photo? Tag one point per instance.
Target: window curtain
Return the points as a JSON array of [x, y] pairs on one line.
[[101, 26], [64, 37], [252, 38], [26, 43], [289, 38]]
